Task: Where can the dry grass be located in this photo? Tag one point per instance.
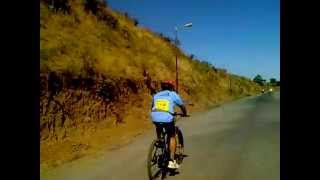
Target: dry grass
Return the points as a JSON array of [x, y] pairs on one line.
[[67, 42]]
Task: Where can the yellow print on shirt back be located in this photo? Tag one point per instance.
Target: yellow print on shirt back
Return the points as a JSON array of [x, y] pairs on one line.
[[162, 104]]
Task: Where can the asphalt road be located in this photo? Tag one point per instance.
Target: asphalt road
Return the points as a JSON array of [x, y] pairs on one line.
[[236, 141]]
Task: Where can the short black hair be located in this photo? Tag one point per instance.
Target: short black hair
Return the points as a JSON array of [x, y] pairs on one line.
[[166, 86]]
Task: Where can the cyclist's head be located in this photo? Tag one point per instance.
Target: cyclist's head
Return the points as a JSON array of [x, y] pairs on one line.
[[167, 85]]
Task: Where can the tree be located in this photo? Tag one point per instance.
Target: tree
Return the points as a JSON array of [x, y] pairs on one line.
[[136, 22], [258, 79], [167, 39], [273, 81], [126, 15], [95, 5], [59, 5]]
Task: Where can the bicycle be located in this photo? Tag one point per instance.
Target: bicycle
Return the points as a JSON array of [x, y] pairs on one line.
[[159, 154]]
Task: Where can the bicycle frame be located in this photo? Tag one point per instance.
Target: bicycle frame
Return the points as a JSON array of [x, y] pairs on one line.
[[162, 146]]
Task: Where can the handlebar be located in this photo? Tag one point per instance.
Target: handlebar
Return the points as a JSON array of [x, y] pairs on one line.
[[180, 114]]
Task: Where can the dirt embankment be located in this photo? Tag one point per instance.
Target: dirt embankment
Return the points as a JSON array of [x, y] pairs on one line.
[[79, 116]]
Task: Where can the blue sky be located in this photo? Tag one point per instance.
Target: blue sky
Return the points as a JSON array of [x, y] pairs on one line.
[[242, 36]]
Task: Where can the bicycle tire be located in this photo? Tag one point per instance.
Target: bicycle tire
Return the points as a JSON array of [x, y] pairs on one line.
[[149, 161], [180, 145]]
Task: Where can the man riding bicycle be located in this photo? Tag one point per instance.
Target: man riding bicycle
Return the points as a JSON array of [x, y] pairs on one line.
[[162, 110]]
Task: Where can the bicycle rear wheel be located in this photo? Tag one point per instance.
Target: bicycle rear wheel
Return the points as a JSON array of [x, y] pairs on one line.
[[180, 146], [153, 160]]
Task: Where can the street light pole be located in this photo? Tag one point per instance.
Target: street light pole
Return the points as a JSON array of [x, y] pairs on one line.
[[177, 44]]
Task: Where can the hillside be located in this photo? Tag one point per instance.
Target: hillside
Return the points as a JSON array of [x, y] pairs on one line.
[[98, 72]]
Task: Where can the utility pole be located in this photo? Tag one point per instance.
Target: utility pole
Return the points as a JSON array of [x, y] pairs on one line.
[[176, 43], [188, 25]]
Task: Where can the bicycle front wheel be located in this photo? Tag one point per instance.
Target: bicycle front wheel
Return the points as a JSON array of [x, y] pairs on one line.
[[153, 160]]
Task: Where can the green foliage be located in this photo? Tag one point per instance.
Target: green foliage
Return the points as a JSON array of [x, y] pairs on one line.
[[126, 15], [167, 39], [99, 9], [258, 79], [222, 70], [273, 81], [206, 65], [135, 22], [94, 6], [58, 5]]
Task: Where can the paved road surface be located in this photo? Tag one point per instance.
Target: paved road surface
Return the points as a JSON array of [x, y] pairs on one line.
[[236, 141]]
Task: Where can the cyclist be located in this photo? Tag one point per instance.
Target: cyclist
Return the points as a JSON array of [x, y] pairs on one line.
[[162, 110]]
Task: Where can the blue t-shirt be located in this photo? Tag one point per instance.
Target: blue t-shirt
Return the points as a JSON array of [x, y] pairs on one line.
[[163, 105]]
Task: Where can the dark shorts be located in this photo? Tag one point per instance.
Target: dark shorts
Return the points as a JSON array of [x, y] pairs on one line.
[[169, 127]]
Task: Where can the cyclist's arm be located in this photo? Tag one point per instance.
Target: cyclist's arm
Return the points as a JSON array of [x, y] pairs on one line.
[[180, 103], [183, 109]]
